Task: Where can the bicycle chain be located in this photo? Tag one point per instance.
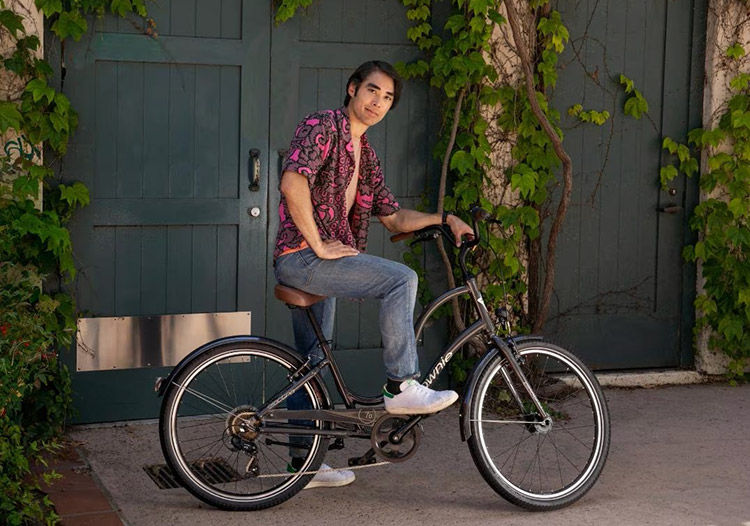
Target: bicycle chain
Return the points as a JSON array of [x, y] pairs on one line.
[[351, 468]]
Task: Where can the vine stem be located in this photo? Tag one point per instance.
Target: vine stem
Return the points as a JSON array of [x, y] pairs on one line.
[[457, 319], [567, 164]]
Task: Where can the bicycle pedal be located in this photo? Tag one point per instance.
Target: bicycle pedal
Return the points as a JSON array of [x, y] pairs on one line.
[[338, 443]]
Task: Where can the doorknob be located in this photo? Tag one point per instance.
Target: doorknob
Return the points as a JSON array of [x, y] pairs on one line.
[[253, 170], [669, 209], [253, 212]]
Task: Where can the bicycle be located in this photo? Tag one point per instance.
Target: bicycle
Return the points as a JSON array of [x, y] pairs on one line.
[[534, 416]]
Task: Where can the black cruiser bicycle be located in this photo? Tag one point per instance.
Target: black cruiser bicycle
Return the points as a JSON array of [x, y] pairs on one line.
[[534, 416]]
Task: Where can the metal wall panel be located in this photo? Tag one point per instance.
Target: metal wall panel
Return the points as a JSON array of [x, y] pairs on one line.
[[132, 342]]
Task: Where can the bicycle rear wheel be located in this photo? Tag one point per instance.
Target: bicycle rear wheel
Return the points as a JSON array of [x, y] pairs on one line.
[[208, 428], [534, 464]]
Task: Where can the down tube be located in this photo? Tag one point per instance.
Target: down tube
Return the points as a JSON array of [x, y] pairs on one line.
[[432, 307], [444, 358]]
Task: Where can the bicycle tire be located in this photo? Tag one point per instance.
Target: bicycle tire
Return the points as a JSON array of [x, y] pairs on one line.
[[202, 434], [534, 466]]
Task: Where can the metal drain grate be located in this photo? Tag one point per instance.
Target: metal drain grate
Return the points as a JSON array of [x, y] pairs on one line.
[[212, 471]]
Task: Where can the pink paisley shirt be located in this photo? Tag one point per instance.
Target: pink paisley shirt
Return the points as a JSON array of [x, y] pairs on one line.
[[322, 151]]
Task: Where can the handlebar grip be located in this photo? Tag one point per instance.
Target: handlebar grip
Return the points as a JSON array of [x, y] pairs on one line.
[[395, 238]]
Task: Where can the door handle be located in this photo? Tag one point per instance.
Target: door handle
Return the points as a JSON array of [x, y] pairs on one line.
[[669, 209], [253, 170]]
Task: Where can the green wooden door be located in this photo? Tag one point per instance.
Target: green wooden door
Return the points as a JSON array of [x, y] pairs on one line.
[[622, 292], [165, 129], [313, 55]]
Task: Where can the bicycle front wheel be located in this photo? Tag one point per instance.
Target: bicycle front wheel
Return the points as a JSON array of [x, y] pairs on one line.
[[534, 463], [209, 431]]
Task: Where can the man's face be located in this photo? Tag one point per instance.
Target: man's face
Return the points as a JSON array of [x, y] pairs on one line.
[[372, 100]]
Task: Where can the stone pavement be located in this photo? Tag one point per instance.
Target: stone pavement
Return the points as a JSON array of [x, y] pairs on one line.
[[679, 456]]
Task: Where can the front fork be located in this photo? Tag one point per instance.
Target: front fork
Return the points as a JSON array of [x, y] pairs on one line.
[[513, 358], [508, 349]]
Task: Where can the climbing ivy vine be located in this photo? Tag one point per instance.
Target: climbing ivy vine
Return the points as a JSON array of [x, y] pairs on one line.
[[722, 220]]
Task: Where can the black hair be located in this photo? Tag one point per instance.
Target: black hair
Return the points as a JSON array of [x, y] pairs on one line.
[[365, 69]]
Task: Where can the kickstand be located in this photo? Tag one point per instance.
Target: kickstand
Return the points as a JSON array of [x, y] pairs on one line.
[[367, 458]]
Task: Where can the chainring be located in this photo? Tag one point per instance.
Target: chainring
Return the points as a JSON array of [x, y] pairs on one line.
[[382, 442]]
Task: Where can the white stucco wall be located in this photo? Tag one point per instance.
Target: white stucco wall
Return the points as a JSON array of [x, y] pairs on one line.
[[728, 23]]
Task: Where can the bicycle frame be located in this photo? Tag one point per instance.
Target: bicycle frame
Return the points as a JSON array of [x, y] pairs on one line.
[[356, 416]]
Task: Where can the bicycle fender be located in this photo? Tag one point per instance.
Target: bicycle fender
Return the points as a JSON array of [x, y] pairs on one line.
[[471, 385], [292, 355]]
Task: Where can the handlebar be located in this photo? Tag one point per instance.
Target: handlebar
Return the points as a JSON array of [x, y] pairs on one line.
[[434, 231]]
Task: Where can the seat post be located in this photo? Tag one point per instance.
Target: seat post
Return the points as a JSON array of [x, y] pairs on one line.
[[318, 331]]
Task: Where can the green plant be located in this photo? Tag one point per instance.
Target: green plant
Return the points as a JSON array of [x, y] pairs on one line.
[[636, 105], [722, 221], [34, 245], [34, 388]]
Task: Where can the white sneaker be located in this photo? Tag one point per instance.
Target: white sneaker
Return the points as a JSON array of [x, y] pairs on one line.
[[416, 399], [330, 479]]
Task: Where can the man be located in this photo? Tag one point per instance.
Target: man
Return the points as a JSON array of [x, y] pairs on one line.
[[331, 185]]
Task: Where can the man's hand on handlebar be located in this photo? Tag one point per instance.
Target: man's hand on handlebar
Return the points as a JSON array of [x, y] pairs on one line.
[[459, 228]]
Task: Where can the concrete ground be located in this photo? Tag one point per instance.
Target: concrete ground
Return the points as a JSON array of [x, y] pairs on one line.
[[679, 456]]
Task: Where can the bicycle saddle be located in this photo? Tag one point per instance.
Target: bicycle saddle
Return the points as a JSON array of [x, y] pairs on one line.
[[296, 297]]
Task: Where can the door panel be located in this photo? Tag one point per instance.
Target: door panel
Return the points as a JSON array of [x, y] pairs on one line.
[[619, 298]]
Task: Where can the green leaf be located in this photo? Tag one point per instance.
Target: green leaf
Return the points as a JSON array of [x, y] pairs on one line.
[[700, 250], [575, 110], [736, 51], [738, 207], [70, 23], [75, 195], [10, 117], [740, 82], [121, 7], [25, 186], [12, 22], [731, 328], [480, 7], [496, 17], [636, 105], [417, 32], [669, 145], [456, 23], [39, 89], [683, 153], [478, 24], [419, 13], [627, 83], [462, 161], [49, 7], [743, 296], [690, 167], [666, 174]]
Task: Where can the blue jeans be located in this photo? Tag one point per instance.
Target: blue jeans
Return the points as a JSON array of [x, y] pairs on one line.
[[354, 277]]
